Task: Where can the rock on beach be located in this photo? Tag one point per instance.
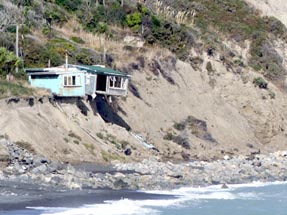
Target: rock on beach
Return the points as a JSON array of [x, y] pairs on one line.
[[148, 175]]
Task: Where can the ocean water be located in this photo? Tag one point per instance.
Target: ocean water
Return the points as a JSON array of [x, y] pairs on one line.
[[247, 199]]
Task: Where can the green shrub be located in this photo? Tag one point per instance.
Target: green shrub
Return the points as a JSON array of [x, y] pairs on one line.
[[8, 62], [209, 67], [46, 30], [107, 156], [180, 126], [71, 5], [55, 15], [272, 94], [78, 40], [101, 27], [168, 136], [76, 142], [73, 135], [90, 148], [134, 20], [100, 135], [260, 82], [102, 17], [38, 55]]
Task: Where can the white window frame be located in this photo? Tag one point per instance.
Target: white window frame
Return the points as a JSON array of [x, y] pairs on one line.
[[113, 80], [71, 81]]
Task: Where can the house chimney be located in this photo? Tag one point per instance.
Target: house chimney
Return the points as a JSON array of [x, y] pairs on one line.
[[66, 66]]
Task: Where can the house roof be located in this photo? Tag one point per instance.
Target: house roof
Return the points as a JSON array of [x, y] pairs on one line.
[[53, 71], [101, 70], [90, 69]]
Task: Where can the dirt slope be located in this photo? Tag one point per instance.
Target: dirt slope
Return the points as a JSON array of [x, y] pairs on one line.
[[64, 133], [239, 116], [276, 8]]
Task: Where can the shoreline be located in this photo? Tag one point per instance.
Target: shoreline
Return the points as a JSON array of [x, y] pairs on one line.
[[150, 174], [24, 197], [31, 178]]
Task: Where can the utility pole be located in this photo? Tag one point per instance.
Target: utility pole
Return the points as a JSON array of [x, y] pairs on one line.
[[105, 54], [17, 45]]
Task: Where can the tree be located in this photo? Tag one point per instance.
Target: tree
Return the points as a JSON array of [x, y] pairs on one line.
[[8, 62]]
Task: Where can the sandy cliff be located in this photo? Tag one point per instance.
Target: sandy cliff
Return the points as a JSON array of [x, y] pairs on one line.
[[228, 114], [276, 8]]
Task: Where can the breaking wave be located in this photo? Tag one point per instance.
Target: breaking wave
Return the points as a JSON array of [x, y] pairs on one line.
[[153, 207]]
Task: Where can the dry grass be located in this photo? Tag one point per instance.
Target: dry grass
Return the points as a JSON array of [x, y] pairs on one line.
[[100, 42], [25, 145], [41, 38], [181, 17], [93, 41]]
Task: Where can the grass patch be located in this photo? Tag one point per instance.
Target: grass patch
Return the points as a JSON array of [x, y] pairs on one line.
[[100, 135], [25, 145], [112, 139], [107, 156], [76, 142], [66, 151], [5, 136], [168, 136], [124, 144], [8, 89], [73, 135], [90, 148], [260, 82], [180, 126]]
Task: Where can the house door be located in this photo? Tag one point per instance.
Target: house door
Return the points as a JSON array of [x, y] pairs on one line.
[[101, 83]]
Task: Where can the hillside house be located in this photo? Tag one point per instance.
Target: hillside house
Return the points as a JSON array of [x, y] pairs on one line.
[[59, 80], [80, 80], [105, 81]]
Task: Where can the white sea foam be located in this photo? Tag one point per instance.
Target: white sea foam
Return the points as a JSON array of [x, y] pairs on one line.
[[152, 207], [121, 207]]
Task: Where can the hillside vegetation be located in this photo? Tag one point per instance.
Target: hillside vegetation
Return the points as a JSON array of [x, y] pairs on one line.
[[207, 76], [175, 25]]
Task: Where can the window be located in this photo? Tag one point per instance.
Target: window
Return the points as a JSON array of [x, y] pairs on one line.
[[115, 82], [112, 81], [118, 82], [70, 80], [73, 80]]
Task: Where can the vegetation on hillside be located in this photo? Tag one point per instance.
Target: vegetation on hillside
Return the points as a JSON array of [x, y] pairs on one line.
[[238, 22], [8, 64]]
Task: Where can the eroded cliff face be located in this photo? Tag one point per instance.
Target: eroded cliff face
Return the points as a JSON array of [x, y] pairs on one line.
[[205, 108], [240, 117], [186, 113], [60, 131]]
